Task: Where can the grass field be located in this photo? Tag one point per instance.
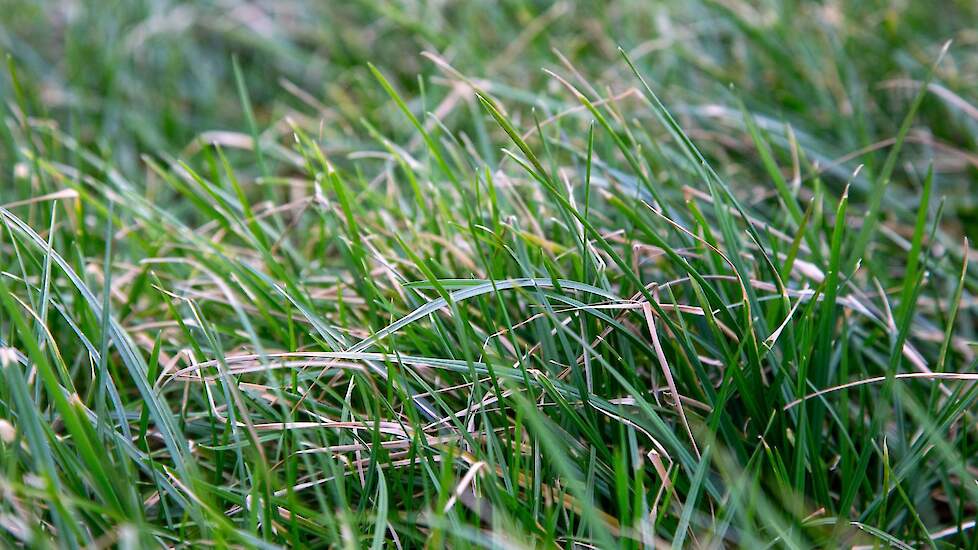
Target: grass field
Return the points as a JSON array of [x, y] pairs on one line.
[[512, 274]]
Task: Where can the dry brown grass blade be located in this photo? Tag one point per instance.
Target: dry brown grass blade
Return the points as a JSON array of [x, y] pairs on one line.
[[964, 376], [667, 372]]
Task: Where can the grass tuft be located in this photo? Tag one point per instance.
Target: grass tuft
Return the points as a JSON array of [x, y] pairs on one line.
[[394, 274]]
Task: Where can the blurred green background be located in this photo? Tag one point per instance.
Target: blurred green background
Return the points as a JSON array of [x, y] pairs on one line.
[[133, 77]]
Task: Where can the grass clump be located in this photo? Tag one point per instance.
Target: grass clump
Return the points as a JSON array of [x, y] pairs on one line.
[[271, 278]]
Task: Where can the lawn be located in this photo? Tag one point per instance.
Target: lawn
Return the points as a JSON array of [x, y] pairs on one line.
[[510, 274]]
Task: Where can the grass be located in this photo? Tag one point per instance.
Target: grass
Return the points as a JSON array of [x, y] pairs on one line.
[[519, 274]]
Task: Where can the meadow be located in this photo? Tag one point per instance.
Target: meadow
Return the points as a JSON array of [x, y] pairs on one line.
[[510, 274]]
